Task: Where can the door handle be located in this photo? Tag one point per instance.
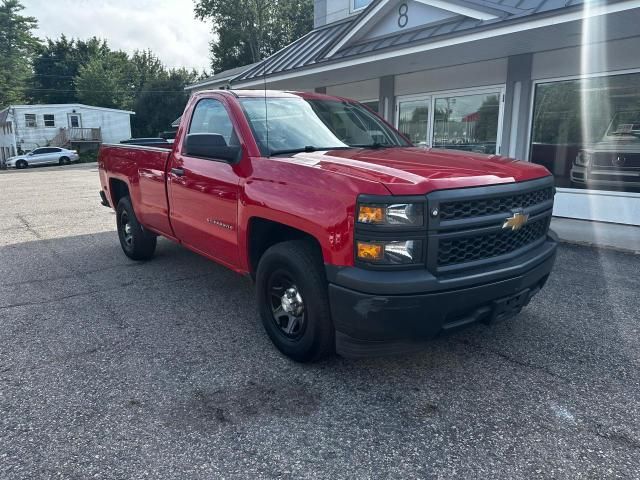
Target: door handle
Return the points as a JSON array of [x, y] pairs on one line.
[[178, 172]]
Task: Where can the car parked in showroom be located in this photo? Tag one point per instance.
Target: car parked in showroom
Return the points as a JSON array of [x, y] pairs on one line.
[[42, 156], [614, 161]]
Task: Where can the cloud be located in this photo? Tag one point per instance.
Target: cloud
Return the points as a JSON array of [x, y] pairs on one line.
[[167, 27]]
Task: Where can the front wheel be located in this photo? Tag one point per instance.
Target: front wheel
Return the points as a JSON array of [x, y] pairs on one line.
[[21, 164], [291, 290], [137, 243]]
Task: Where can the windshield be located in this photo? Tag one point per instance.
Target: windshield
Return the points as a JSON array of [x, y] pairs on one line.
[[625, 124], [287, 125]]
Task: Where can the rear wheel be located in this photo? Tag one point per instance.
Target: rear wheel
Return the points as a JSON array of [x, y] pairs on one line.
[[137, 243], [291, 290], [64, 161], [22, 164]]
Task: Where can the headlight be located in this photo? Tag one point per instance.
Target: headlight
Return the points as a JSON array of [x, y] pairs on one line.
[[395, 214], [582, 159], [392, 252]]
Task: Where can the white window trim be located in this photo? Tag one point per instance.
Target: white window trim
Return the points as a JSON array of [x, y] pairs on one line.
[[26, 122], [432, 96], [352, 6], [608, 193], [79, 115], [44, 121]]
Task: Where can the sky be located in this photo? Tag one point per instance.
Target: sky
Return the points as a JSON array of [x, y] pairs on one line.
[[167, 27]]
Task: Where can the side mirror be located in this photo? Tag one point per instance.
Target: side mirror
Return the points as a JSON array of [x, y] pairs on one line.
[[211, 145]]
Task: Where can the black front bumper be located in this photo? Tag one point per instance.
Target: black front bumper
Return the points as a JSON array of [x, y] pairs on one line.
[[383, 312]]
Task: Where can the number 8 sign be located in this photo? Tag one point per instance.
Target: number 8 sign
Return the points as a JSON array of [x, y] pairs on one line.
[[403, 17]]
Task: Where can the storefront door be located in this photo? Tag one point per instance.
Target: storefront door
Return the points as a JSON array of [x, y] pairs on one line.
[[463, 120]]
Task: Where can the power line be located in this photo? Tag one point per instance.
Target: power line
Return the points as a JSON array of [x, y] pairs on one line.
[[38, 60], [101, 91]]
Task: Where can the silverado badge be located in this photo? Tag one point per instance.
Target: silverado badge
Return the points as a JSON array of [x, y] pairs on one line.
[[517, 221]]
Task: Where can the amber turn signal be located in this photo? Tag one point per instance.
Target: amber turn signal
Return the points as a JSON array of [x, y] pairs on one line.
[[370, 214], [370, 251]]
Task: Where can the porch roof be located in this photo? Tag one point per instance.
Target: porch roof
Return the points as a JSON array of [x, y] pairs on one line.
[[316, 47]]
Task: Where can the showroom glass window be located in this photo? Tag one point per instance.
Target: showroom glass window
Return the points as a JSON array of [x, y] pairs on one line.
[[467, 122], [587, 132], [413, 120]]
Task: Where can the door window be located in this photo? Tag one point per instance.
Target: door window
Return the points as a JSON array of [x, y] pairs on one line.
[[74, 121], [467, 122], [210, 116], [413, 120]]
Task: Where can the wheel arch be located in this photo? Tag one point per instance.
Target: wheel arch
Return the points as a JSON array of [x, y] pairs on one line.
[[117, 189], [263, 233]]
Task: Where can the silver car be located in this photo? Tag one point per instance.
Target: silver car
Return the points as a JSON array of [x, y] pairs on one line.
[[44, 155], [614, 161]]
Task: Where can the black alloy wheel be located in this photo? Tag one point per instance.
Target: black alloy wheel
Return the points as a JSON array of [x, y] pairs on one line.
[[287, 305], [137, 243], [291, 290]]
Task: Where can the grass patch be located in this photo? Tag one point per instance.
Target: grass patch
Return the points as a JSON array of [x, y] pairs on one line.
[[88, 157]]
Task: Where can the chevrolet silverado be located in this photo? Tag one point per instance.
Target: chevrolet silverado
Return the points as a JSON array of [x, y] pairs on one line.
[[358, 242]]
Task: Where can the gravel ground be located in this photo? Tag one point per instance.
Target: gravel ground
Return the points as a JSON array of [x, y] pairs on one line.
[[114, 369]]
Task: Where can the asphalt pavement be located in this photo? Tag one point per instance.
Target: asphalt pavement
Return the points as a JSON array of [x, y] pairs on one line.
[[121, 370]]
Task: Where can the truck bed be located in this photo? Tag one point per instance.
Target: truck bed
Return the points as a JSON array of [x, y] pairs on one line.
[[143, 168]]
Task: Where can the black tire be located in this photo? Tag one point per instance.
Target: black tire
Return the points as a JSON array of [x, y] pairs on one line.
[[21, 164], [64, 161], [136, 242], [313, 335]]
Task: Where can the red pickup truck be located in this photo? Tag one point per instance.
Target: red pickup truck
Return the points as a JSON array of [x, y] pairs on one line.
[[358, 242]]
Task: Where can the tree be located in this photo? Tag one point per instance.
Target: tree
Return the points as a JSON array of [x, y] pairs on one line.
[[246, 31], [107, 81], [160, 101], [487, 126], [17, 46], [145, 68], [57, 64]]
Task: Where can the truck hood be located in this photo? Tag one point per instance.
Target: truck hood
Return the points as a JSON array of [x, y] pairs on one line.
[[415, 171]]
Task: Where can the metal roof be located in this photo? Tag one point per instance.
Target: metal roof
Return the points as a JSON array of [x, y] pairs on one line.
[[305, 51], [312, 48], [221, 77]]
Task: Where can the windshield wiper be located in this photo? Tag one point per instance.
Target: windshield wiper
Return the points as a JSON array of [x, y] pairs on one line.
[[308, 148]]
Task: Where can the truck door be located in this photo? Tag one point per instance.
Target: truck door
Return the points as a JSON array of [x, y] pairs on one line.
[[204, 192]]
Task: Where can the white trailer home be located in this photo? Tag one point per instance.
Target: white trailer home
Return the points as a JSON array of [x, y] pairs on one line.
[[26, 127]]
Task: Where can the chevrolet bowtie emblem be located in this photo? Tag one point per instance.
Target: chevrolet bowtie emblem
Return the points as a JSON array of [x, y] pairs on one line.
[[517, 221]]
